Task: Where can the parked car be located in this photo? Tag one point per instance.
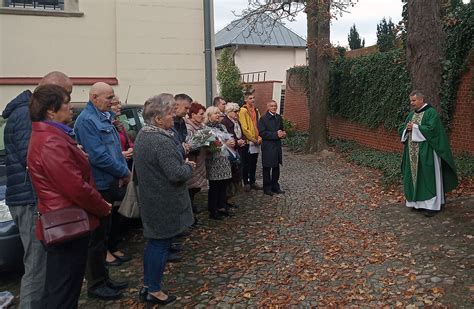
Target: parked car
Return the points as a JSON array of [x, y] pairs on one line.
[[11, 248], [131, 117]]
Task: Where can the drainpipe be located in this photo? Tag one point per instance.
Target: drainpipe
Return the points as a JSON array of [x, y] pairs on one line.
[[208, 50]]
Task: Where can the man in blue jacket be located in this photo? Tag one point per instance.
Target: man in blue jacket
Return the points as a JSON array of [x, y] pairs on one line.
[[100, 140], [20, 197]]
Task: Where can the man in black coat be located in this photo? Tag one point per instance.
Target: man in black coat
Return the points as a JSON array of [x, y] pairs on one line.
[[271, 130]]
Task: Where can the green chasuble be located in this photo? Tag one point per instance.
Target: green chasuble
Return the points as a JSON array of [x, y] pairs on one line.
[[418, 162]]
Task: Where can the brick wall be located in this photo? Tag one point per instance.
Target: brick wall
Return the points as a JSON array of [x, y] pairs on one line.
[[263, 94], [296, 104], [461, 134], [462, 130]]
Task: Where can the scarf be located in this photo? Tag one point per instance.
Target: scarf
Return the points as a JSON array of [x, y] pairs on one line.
[[152, 128]]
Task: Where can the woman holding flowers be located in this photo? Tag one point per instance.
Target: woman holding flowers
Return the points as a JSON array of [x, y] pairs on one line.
[[218, 165]]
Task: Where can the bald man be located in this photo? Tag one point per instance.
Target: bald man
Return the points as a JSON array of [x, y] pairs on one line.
[[20, 198], [97, 135]]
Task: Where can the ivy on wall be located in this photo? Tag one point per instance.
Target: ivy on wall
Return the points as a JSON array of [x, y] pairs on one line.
[[371, 90], [374, 89], [458, 25]]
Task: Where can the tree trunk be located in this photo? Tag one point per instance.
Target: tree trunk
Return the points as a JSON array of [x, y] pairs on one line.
[[425, 37], [319, 51]]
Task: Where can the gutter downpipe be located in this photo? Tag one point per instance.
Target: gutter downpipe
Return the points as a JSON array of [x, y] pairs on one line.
[[208, 50]]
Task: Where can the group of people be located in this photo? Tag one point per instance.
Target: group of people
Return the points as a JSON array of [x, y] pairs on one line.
[[52, 166]]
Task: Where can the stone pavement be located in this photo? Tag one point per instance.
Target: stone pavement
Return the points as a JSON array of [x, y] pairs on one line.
[[335, 239]]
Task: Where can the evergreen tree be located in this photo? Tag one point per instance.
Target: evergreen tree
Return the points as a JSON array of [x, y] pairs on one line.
[[354, 39], [386, 35], [228, 76]]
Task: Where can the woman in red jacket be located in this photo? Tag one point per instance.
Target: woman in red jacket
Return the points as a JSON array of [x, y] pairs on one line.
[[61, 176]]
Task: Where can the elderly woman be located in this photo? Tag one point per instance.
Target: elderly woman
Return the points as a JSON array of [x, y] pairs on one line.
[[125, 140], [218, 168], [231, 122], [62, 178], [194, 122], [165, 205]]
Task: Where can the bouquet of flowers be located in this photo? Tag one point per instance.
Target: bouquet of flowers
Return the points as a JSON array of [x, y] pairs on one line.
[[209, 137]]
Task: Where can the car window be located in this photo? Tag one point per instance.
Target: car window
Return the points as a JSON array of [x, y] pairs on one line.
[[128, 119]]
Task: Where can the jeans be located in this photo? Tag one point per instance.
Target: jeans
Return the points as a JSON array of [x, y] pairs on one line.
[[34, 259], [154, 262]]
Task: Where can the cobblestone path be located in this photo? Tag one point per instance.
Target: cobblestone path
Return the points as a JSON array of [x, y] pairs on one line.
[[335, 239]]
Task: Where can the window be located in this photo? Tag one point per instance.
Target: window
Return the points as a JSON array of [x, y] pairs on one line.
[[36, 4], [60, 8]]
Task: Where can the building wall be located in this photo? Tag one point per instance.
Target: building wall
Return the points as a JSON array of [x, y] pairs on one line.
[[461, 135], [151, 46], [271, 59]]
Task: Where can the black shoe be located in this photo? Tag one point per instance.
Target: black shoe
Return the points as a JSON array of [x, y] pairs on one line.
[[153, 300], [215, 217], [196, 209], [176, 247], [232, 205], [225, 213], [114, 263], [186, 233], [278, 191], [116, 285], [124, 258], [270, 193], [196, 223], [104, 292], [431, 213], [173, 258], [142, 294]]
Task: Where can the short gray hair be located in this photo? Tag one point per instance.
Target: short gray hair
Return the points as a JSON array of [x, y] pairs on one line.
[[418, 94], [157, 106], [232, 107]]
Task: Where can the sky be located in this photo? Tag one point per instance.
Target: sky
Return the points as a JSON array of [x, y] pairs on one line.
[[366, 14]]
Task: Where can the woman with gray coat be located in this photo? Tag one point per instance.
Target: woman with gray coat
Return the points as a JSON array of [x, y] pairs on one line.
[[165, 207]]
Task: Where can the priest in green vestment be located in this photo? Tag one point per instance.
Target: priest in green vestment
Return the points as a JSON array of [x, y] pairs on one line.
[[427, 165]]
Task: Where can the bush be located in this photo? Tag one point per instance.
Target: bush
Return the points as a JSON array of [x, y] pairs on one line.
[[289, 128], [297, 142], [465, 165], [228, 76]]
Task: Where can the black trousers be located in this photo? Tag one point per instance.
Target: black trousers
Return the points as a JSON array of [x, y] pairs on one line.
[[271, 175], [216, 196], [65, 268], [192, 193], [249, 165], [96, 271], [117, 221]]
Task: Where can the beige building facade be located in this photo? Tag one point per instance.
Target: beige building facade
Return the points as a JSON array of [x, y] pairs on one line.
[[272, 60], [147, 46]]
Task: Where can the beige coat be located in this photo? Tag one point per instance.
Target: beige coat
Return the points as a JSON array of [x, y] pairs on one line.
[[198, 180]]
